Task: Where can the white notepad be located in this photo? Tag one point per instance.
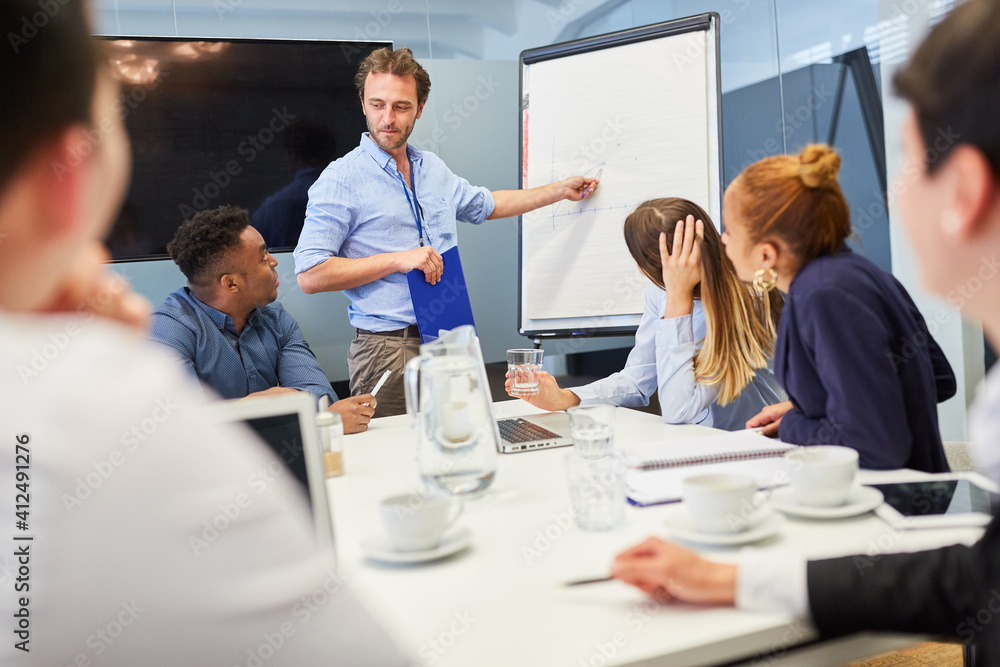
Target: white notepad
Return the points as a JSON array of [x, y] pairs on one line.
[[657, 470]]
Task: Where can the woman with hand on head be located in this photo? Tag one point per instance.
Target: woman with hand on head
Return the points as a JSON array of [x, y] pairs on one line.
[[705, 339], [950, 207], [853, 351]]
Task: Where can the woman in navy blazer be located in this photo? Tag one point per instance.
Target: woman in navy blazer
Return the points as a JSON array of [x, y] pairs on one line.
[[853, 352]]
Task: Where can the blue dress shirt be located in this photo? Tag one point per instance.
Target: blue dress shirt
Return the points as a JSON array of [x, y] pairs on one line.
[[663, 360], [360, 207], [269, 352], [861, 368]]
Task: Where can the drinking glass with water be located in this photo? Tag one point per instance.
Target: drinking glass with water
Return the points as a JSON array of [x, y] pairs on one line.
[[521, 367], [593, 430]]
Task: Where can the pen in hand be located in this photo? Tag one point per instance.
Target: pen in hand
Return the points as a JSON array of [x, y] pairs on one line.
[[590, 187], [381, 381], [582, 582]]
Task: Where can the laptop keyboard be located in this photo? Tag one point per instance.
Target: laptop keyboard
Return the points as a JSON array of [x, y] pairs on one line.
[[518, 430]]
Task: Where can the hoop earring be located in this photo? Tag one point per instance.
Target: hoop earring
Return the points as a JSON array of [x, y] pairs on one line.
[[760, 285]]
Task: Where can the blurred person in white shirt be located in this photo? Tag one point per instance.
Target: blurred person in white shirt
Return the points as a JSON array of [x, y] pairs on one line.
[[150, 536]]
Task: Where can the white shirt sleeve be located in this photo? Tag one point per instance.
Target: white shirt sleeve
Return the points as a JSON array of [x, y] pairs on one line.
[[772, 581]]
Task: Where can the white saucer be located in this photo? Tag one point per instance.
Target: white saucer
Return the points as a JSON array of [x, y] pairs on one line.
[[861, 499], [766, 524], [378, 547]]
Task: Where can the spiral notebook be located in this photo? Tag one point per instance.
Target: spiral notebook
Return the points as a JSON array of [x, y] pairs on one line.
[[657, 470]]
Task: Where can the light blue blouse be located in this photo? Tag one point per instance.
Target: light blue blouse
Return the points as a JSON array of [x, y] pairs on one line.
[[663, 359]]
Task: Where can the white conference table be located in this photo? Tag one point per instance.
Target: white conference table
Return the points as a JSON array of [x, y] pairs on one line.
[[501, 602]]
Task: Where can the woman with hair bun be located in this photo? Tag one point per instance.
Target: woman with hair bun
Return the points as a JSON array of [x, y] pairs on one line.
[[950, 204], [853, 352]]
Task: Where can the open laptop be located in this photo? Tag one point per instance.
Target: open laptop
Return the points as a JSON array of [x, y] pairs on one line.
[[515, 434], [519, 434], [287, 424]]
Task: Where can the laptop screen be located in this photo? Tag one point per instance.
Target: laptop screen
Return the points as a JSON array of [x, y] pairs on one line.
[[283, 435], [287, 424]]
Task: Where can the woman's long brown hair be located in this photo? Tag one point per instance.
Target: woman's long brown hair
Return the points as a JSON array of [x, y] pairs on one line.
[[741, 322]]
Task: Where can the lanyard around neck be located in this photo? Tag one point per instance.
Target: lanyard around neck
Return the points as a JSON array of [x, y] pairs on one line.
[[413, 203]]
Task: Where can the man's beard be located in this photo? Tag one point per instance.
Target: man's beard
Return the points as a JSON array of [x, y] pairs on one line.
[[402, 135]]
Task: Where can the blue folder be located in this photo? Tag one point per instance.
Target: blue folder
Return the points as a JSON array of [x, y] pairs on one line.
[[443, 306]]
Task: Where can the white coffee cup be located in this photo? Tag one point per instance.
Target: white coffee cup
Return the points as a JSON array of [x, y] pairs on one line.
[[721, 503], [415, 522], [823, 475]]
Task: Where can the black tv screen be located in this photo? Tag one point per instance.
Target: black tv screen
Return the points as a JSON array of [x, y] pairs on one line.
[[244, 122]]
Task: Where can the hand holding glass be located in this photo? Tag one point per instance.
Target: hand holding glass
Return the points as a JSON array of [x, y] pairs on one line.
[[521, 366]]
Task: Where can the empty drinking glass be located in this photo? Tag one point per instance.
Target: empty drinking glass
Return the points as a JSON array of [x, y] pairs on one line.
[[596, 490]]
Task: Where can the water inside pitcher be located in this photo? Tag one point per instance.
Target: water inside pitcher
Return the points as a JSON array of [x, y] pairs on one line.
[[448, 396]]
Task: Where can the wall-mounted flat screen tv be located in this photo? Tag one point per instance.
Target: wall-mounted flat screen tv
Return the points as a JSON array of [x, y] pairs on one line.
[[244, 122]]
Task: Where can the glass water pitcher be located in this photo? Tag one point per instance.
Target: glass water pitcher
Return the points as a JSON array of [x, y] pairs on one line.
[[448, 397]]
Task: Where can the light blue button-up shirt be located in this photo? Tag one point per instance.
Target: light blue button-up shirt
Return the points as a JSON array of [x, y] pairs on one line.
[[359, 208], [663, 359]]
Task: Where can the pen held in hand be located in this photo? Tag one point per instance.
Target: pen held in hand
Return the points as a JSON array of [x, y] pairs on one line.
[[381, 381], [581, 582], [590, 187]]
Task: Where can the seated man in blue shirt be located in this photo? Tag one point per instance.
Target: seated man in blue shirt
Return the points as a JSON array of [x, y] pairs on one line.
[[227, 327]]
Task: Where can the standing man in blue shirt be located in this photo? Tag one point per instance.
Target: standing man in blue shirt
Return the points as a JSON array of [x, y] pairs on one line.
[[227, 328], [387, 208]]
